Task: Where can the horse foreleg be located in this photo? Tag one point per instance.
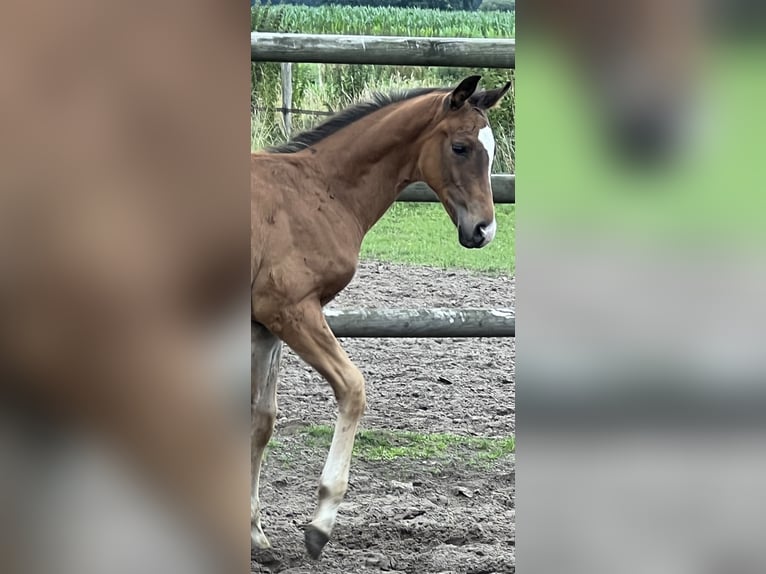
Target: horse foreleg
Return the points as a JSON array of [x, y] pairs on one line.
[[267, 352], [307, 333]]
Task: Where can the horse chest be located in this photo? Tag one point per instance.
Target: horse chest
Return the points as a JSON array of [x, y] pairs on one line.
[[335, 283], [308, 255], [328, 241], [331, 271]]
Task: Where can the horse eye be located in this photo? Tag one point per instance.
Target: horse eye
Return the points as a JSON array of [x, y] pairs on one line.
[[459, 149]]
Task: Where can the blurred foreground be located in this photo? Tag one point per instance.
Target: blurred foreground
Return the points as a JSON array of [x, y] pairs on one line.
[[123, 234], [123, 250], [641, 344]]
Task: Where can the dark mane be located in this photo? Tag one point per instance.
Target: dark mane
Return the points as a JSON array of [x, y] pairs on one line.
[[348, 116]]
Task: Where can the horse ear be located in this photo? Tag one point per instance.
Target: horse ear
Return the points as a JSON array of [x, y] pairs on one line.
[[490, 98], [464, 91]]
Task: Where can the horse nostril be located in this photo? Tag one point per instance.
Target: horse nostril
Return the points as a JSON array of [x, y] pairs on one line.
[[480, 232], [476, 236]]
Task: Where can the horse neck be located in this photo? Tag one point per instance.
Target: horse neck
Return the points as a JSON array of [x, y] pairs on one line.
[[376, 157]]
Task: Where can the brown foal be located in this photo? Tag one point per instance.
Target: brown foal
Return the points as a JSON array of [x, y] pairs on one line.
[[313, 200]]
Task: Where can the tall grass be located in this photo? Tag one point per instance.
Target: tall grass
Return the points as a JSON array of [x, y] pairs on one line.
[[380, 21]]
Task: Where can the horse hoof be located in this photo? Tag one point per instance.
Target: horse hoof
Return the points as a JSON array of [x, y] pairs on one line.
[[315, 541], [258, 540]]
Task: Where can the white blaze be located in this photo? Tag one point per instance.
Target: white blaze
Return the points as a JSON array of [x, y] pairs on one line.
[[488, 141]]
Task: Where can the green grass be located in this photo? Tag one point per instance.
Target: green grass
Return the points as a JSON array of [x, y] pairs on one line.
[[423, 234], [380, 445], [382, 21]]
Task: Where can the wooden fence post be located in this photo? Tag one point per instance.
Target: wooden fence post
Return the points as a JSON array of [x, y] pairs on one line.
[[287, 97]]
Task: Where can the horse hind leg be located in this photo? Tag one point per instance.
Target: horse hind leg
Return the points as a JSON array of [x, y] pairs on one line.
[[313, 341], [267, 352]]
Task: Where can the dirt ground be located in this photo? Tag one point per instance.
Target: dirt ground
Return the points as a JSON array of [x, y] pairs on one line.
[[414, 516]]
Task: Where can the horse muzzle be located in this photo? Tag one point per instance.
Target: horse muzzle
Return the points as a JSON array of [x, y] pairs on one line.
[[474, 236]]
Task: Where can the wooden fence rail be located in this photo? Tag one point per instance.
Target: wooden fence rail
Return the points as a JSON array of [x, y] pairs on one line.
[[503, 190], [383, 50], [432, 323]]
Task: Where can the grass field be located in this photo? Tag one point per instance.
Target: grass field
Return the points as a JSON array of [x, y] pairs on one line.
[[382, 445], [423, 234], [381, 21]]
